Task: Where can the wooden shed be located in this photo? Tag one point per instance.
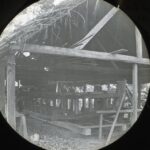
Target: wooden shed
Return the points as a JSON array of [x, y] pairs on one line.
[[81, 59]]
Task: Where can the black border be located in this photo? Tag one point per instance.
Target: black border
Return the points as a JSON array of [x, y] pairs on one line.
[[138, 136]]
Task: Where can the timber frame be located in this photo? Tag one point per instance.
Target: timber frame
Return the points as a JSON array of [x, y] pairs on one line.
[[78, 52]]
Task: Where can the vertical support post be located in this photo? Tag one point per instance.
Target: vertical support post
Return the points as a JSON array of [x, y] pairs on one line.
[[135, 91], [2, 88], [76, 106], [90, 105], [64, 100], [84, 101], [138, 43], [57, 91], [100, 127], [71, 105], [11, 105], [135, 74]]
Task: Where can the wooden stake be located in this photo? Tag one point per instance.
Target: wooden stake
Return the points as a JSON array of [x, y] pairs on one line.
[[11, 105], [100, 126]]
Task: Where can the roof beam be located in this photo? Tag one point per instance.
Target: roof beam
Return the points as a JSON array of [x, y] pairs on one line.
[[83, 42], [42, 49]]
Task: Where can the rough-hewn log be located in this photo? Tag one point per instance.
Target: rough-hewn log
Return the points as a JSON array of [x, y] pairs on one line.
[[82, 54], [135, 74], [135, 92], [11, 105]]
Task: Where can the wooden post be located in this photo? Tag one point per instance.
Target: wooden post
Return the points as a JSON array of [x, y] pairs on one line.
[[23, 127], [139, 49], [76, 106], [57, 91], [84, 101], [2, 88], [100, 127], [135, 74], [64, 105], [90, 105], [135, 92], [97, 28], [11, 105]]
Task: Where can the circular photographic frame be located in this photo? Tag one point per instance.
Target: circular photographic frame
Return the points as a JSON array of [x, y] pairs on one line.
[[74, 74]]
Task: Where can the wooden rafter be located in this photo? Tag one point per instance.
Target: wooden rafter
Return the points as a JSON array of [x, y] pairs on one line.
[[83, 42], [82, 54]]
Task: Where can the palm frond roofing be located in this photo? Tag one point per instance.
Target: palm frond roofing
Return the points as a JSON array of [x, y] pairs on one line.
[[31, 25], [34, 17]]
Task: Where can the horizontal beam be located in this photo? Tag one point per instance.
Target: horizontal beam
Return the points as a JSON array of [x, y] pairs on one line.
[[81, 54], [71, 95], [115, 111]]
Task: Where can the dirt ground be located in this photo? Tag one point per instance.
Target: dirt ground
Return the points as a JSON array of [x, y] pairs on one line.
[[55, 138]]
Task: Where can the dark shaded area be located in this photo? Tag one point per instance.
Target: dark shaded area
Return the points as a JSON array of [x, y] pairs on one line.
[[139, 12], [10, 8]]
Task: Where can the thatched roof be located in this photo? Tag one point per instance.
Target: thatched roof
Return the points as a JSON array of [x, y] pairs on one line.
[[64, 25], [36, 17]]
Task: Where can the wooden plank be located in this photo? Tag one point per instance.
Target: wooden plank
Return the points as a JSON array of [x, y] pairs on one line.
[[72, 127], [114, 111], [72, 95], [97, 28], [82, 54], [76, 128], [11, 105], [103, 126]]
